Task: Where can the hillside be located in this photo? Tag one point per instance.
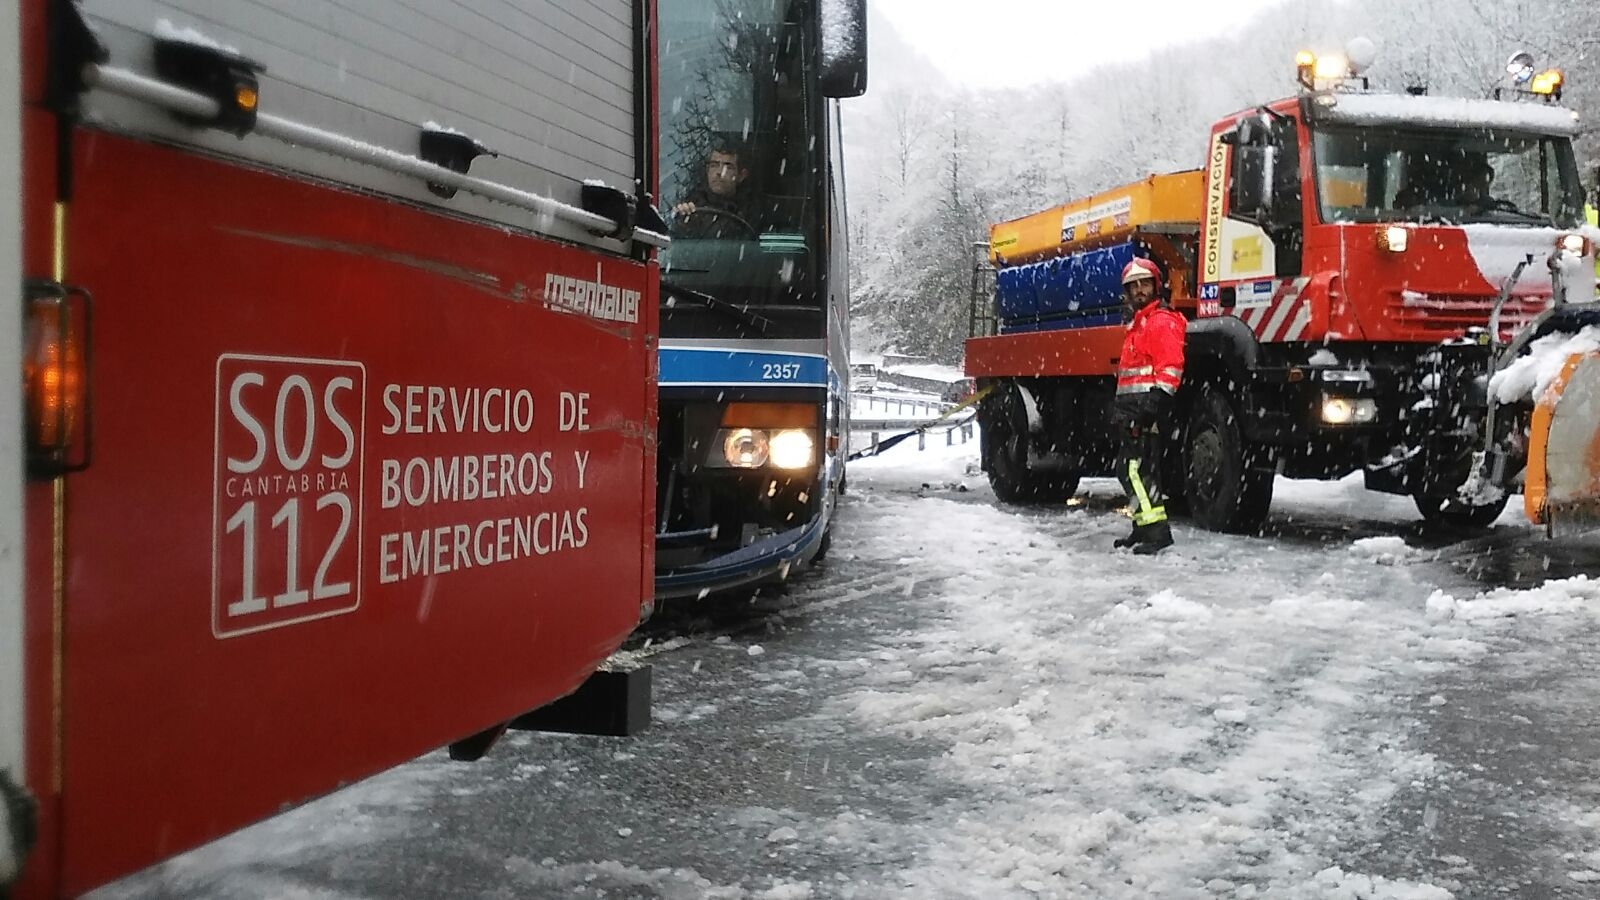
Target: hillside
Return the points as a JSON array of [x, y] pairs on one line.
[[930, 165]]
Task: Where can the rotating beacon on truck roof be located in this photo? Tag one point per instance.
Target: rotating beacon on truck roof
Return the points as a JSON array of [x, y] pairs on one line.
[[1367, 278]]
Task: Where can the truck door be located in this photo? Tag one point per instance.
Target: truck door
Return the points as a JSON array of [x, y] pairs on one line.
[[1254, 228]]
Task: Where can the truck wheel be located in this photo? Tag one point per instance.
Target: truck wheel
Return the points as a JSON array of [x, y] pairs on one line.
[[1435, 511], [1227, 480], [1005, 455]]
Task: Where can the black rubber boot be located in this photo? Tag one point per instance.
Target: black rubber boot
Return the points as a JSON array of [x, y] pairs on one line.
[[1156, 538], [1129, 541]]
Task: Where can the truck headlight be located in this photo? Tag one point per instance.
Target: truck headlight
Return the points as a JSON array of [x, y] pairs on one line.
[[1394, 239], [792, 449], [1349, 410]]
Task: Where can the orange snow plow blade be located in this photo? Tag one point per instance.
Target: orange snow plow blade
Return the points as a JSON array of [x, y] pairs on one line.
[[1562, 491]]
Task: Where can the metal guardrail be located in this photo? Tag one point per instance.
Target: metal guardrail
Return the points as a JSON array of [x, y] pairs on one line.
[[964, 430], [911, 413], [901, 406], [860, 423]]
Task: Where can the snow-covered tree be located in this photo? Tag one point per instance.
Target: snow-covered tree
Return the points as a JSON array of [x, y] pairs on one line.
[[931, 166]]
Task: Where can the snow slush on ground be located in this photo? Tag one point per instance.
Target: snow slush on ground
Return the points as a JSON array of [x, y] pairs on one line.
[[256, 863], [1011, 709], [1225, 721]]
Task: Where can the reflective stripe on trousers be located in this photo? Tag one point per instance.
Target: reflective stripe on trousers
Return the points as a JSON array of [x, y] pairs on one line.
[[1145, 514]]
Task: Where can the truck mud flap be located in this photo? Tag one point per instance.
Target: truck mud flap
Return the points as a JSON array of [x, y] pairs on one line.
[[1563, 481], [611, 703]]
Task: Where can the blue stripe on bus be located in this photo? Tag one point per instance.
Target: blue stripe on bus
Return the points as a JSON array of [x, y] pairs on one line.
[[701, 367]]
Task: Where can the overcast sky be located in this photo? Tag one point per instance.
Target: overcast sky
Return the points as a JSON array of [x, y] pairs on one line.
[[1008, 43]]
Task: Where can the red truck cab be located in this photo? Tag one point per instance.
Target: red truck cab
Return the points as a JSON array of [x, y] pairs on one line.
[[1393, 219]]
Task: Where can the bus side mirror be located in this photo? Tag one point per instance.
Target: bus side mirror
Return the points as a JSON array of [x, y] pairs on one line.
[[842, 54]]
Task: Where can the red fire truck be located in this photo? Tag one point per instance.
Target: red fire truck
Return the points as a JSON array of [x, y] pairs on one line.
[[337, 358], [1357, 268]]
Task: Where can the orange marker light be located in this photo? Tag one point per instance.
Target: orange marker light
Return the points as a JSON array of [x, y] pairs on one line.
[[55, 379], [53, 373]]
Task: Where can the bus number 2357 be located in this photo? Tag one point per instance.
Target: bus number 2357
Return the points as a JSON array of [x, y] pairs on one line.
[[780, 371]]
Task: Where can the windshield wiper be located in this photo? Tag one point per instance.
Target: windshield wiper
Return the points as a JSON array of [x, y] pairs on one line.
[[672, 295], [1489, 215], [791, 307]]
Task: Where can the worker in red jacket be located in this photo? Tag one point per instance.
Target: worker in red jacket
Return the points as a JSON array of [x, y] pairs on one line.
[[1149, 371]]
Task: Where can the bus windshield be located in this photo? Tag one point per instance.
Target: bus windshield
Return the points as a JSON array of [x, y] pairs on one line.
[[739, 167], [1454, 176]]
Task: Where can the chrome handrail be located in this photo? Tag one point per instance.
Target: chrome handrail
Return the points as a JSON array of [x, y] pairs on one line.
[[177, 99]]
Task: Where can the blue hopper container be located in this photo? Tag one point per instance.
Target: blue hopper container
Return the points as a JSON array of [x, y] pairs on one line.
[[1076, 291]]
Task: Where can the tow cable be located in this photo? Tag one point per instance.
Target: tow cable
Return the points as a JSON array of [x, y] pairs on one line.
[[886, 443]]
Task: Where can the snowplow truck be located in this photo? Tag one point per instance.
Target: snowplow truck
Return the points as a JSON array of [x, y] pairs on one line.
[[1401, 285]]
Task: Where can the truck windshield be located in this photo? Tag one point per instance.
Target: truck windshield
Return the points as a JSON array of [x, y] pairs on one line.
[[1455, 176], [739, 162]]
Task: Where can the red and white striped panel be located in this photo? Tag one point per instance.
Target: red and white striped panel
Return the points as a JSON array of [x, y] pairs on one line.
[[1286, 317]]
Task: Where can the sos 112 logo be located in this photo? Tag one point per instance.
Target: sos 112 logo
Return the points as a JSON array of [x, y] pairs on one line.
[[286, 526]]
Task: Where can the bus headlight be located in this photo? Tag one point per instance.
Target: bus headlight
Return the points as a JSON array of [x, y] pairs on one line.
[[753, 448], [1349, 410], [792, 449], [746, 448]]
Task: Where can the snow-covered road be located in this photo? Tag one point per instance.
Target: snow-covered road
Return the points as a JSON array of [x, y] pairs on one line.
[[1231, 719], [982, 701]]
